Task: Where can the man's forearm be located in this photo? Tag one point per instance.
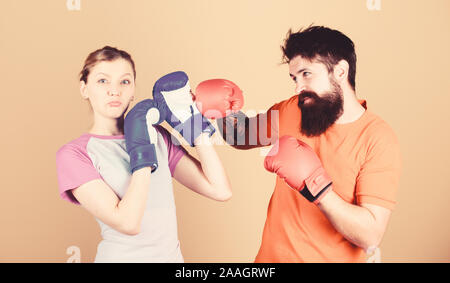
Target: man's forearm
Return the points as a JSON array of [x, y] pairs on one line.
[[242, 132], [234, 130], [355, 223]]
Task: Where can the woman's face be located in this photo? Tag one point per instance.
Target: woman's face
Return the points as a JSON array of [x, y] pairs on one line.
[[110, 87]]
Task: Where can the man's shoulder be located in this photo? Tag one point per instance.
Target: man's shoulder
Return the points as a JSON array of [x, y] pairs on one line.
[[287, 106], [379, 130], [289, 102]]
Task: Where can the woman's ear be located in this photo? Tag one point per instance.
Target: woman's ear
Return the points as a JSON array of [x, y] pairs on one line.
[[83, 90], [341, 71]]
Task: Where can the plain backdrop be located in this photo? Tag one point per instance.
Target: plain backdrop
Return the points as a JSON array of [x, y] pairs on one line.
[[402, 72]]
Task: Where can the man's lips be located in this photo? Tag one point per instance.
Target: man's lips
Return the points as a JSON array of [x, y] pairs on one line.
[[306, 99], [115, 103]]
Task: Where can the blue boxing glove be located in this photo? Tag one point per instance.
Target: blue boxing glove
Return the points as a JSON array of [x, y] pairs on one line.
[[173, 93], [140, 135]]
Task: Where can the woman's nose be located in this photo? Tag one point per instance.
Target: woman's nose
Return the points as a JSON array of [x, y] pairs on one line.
[[114, 91]]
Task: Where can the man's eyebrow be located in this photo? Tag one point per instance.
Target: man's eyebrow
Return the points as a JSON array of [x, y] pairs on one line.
[[298, 72]]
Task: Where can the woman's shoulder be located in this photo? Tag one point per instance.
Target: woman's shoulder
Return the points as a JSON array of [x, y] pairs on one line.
[[77, 145], [171, 140], [161, 130], [168, 137]]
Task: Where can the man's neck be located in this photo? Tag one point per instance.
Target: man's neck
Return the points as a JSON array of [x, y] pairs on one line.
[[352, 109]]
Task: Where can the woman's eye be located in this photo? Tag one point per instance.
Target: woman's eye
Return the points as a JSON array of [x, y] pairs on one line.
[[102, 81], [305, 74], [127, 82]]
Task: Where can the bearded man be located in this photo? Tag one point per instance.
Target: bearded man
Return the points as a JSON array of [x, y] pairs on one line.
[[337, 163]]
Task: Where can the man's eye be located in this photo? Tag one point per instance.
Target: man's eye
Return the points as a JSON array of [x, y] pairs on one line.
[[294, 79], [305, 74]]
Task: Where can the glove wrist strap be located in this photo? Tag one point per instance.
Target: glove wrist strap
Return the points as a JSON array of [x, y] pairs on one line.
[[195, 126], [143, 156], [316, 185]]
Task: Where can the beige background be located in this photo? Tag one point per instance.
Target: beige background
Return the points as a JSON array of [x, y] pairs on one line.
[[402, 72]]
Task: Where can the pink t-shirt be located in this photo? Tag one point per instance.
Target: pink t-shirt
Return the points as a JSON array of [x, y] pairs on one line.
[[92, 157], [74, 160]]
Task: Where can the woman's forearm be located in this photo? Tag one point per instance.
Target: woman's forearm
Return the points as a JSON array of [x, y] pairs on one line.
[[130, 209], [212, 166]]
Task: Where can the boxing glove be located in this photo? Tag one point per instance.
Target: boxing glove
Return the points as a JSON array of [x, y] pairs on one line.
[[217, 97], [300, 167], [140, 135], [173, 93]]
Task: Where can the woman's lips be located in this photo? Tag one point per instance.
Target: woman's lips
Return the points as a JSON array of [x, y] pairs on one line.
[[115, 103]]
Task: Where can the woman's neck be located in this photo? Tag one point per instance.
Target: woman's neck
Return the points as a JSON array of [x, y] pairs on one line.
[[105, 132], [107, 127]]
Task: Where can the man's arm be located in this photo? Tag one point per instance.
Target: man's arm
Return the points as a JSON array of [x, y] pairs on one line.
[[300, 167], [243, 132], [363, 225]]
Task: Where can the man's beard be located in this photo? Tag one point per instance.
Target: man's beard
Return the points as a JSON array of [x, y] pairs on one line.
[[320, 113]]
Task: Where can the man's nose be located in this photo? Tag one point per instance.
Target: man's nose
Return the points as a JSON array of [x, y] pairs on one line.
[[299, 87]]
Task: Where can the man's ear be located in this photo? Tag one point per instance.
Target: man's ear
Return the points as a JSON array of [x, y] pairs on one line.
[[83, 90], [340, 71]]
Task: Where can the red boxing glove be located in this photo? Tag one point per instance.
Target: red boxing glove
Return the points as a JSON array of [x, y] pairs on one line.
[[214, 98], [300, 167]]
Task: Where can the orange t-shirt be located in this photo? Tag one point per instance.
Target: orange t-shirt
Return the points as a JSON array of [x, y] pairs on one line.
[[363, 160]]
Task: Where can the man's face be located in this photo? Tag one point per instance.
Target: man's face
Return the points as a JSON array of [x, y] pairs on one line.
[[320, 96]]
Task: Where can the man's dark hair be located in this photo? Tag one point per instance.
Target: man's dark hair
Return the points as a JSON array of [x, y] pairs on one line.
[[323, 44]]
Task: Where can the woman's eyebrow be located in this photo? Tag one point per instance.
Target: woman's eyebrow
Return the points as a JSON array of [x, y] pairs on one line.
[[101, 73]]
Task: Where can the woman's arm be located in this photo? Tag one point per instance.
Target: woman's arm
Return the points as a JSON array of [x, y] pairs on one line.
[[206, 177], [123, 215]]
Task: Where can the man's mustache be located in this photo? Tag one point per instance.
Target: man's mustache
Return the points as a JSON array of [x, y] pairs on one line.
[[308, 94]]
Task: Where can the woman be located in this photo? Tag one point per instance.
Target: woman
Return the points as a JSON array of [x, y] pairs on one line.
[[136, 211]]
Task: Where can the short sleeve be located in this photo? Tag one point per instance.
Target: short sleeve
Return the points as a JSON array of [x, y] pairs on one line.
[[74, 168], [378, 180], [174, 148]]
